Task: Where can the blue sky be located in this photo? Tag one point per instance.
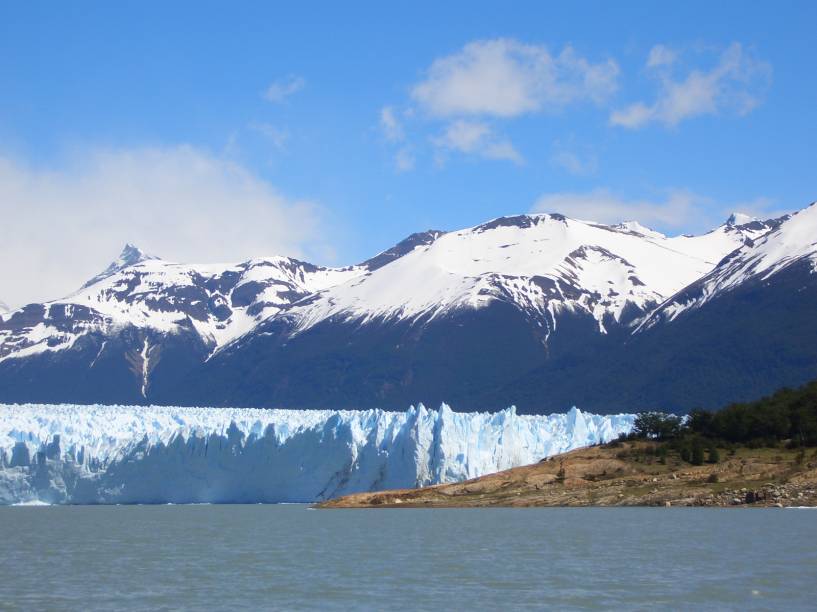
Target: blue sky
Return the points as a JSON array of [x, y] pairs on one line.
[[208, 131]]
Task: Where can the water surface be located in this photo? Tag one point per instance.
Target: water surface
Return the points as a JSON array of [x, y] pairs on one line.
[[170, 557]]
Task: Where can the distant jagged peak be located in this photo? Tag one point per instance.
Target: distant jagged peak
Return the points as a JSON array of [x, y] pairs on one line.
[[3, 307], [130, 256], [520, 221], [636, 228], [739, 218], [787, 241], [530, 220], [405, 246], [752, 227]]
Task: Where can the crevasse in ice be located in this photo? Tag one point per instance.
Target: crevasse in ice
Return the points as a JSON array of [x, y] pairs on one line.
[[155, 454]]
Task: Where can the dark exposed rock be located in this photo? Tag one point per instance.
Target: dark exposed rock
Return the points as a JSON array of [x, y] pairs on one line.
[[402, 248]]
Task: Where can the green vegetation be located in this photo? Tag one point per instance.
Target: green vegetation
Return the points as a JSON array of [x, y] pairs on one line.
[[657, 426], [788, 417], [697, 452], [662, 453]]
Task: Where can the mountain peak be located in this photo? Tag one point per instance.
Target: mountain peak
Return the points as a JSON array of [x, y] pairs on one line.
[[637, 228], [403, 247], [738, 218], [130, 256]]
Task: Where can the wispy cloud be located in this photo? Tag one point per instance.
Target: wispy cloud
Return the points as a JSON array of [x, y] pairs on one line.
[[606, 207], [676, 208], [476, 138], [575, 160], [506, 78], [760, 207], [180, 202], [278, 137], [280, 90], [661, 55], [390, 125], [404, 160], [736, 83]]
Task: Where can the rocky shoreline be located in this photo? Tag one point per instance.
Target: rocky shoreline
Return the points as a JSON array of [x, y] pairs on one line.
[[622, 474]]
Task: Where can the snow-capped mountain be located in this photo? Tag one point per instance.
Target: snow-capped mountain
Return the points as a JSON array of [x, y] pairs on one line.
[[3, 307], [790, 244], [508, 307], [743, 330], [143, 312], [216, 301], [543, 264]]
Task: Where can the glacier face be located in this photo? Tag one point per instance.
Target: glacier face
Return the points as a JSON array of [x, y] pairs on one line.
[[129, 454]]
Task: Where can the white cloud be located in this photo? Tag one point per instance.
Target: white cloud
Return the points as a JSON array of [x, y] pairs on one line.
[[634, 116], [281, 89], [506, 78], [392, 128], [404, 160], [735, 84], [476, 138], [465, 136], [390, 125], [61, 226], [661, 55]]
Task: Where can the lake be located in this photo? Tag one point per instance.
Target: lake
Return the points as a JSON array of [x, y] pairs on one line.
[[290, 556]]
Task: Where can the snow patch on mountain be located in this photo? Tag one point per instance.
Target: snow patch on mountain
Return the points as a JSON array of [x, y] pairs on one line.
[[122, 454]]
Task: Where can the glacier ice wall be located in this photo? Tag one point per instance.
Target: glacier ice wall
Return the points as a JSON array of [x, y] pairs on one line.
[[135, 454]]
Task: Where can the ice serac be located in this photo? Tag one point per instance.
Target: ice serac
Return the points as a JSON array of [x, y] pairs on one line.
[[121, 454]]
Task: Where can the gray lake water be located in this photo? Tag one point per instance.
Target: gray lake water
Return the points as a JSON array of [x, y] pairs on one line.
[[285, 557]]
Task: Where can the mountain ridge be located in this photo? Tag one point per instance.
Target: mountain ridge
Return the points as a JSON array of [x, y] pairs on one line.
[[555, 294]]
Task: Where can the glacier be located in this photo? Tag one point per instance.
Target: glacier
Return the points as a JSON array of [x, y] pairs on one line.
[[96, 454]]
